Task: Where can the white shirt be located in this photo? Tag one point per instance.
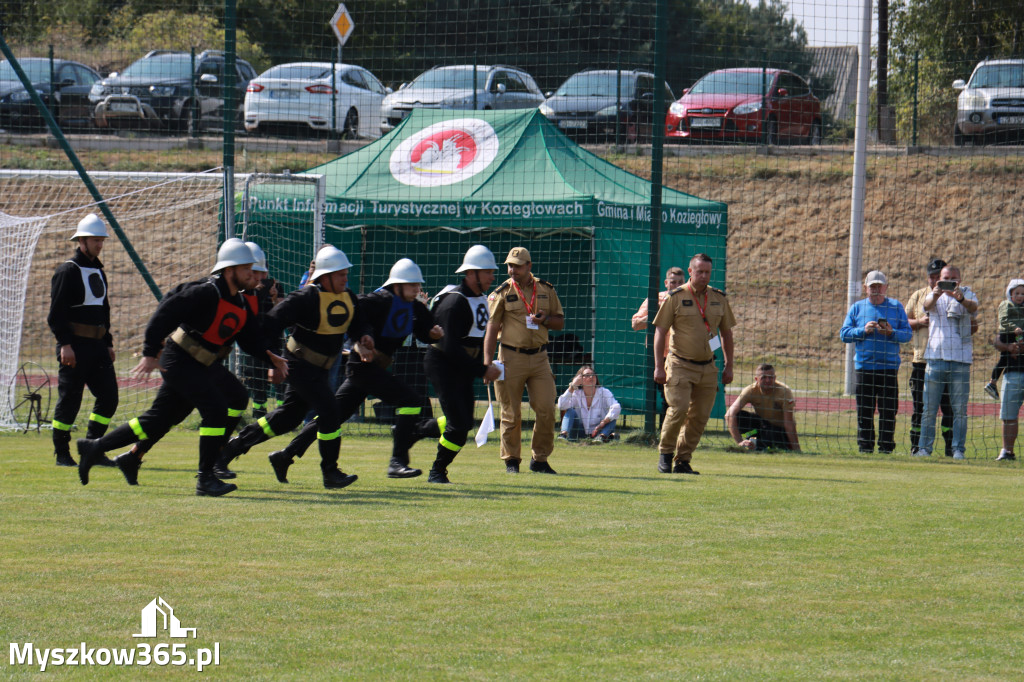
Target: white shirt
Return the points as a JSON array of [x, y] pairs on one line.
[[949, 330], [603, 406]]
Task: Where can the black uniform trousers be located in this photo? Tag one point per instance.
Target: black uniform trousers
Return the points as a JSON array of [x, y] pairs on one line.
[[307, 387], [768, 435], [454, 386], [188, 385], [364, 379], [917, 395], [876, 389], [93, 369]]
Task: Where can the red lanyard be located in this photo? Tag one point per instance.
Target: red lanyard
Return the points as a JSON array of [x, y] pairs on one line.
[[533, 301], [700, 309]]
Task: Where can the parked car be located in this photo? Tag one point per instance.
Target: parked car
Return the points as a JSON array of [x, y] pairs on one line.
[[300, 95], [159, 91], [592, 105], [991, 104], [747, 105], [452, 87], [66, 96]]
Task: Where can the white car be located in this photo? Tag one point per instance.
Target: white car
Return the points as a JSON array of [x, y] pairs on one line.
[[300, 94], [991, 104]]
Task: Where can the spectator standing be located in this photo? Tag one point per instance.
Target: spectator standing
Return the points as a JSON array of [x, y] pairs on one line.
[[1009, 341], [674, 278], [877, 325], [700, 321], [771, 424], [522, 310], [949, 355], [590, 408], [918, 319]]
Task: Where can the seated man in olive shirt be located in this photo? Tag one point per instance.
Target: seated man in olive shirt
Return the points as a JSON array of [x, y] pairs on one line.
[[771, 424]]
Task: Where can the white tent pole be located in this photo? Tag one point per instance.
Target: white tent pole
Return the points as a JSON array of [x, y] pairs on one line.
[[860, 150]]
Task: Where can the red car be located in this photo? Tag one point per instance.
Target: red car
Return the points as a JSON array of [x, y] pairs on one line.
[[747, 105]]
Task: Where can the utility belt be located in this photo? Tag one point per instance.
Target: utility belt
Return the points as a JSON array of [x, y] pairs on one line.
[[471, 351], [198, 351], [309, 355], [524, 351], [88, 331], [694, 362]]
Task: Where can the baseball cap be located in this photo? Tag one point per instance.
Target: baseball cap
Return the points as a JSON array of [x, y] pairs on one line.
[[875, 277], [935, 266], [518, 256]]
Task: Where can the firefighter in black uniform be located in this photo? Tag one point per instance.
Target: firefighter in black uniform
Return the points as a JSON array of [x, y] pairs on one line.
[[264, 296], [319, 315], [80, 319], [457, 359], [203, 319], [393, 312]]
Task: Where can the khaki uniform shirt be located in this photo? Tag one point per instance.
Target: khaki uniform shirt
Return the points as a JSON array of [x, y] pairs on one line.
[[915, 309], [680, 315], [769, 406], [509, 310]]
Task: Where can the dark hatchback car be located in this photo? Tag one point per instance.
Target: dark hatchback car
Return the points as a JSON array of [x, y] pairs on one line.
[[593, 105], [162, 91], [66, 94]]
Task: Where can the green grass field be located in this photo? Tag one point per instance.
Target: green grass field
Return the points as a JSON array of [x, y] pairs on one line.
[[764, 567]]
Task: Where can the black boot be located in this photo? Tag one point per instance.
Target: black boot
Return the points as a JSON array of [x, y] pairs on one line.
[[207, 484], [335, 478], [665, 463], [439, 471], [90, 452], [62, 448], [129, 464], [228, 453], [281, 460], [401, 469]]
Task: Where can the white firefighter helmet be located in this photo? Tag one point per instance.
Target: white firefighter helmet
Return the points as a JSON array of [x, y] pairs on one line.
[[261, 258], [90, 226], [329, 259], [404, 272], [478, 257], [233, 252]]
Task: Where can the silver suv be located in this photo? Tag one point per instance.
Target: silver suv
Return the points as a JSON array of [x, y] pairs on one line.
[[451, 87], [991, 104]]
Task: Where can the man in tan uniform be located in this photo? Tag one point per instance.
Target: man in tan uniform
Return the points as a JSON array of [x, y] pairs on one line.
[[771, 424], [522, 310], [701, 321]]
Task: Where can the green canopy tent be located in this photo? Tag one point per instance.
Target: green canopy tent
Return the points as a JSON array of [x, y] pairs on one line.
[[444, 180]]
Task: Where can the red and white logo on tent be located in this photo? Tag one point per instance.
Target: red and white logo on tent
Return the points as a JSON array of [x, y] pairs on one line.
[[445, 153]]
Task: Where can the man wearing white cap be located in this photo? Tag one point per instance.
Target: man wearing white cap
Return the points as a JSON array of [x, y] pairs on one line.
[[80, 319], [522, 311], [877, 325], [393, 312], [193, 329]]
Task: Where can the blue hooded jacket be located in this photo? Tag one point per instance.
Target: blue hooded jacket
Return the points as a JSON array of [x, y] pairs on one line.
[[876, 351]]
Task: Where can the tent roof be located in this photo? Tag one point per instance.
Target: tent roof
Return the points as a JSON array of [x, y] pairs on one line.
[[512, 168]]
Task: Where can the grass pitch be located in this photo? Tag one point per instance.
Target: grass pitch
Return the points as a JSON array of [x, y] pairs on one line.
[[763, 567]]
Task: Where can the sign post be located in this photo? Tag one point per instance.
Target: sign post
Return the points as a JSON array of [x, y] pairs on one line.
[[342, 25]]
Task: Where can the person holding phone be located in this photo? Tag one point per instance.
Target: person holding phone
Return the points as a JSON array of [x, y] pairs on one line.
[[877, 325], [951, 308]]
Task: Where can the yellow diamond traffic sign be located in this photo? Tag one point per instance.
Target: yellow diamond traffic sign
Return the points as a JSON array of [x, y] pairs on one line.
[[342, 24]]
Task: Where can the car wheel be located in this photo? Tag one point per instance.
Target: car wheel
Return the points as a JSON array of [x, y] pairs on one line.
[[350, 129], [771, 132], [814, 137]]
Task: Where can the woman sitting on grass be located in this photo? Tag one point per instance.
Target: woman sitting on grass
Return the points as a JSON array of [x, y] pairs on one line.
[[590, 409]]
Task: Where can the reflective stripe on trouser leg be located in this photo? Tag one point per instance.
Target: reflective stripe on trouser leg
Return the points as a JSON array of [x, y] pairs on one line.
[[137, 429], [100, 419], [232, 412], [61, 426], [408, 411], [265, 425], [448, 445]]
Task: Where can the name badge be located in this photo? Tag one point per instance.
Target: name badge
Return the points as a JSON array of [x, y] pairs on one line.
[[715, 342], [531, 323]]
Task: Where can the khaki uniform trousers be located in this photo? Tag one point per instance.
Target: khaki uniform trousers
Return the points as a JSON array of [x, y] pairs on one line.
[[534, 373], [690, 393]]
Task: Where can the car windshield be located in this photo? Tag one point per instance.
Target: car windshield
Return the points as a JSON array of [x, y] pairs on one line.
[[998, 76], [37, 70], [450, 79], [731, 83], [595, 85], [298, 71], [161, 67]]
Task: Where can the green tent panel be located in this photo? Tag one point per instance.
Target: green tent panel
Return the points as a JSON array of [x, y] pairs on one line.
[[444, 180]]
